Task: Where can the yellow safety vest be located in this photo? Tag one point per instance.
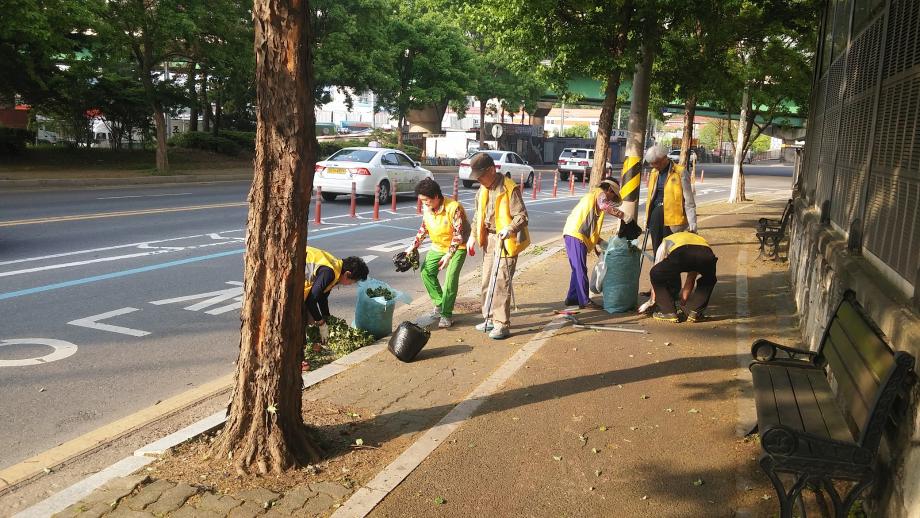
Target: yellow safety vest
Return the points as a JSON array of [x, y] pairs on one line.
[[515, 244], [585, 220], [680, 239], [674, 214], [440, 228], [315, 259]]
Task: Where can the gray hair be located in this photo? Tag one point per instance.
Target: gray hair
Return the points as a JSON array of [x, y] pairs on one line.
[[654, 154]]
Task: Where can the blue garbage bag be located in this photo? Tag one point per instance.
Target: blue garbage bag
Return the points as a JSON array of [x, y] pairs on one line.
[[621, 282], [375, 314]]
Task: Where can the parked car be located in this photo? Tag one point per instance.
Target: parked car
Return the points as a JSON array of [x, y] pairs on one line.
[[368, 167], [674, 155], [576, 161], [506, 162]]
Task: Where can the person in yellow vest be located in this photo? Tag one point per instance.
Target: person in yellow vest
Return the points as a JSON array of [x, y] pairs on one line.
[[682, 252], [501, 219], [582, 232], [323, 272], [671, 206], [445, 222]]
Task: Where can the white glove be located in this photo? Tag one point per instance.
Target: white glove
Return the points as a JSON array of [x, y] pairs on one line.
[[324, 333], [410, 249], [504, 233], [646, 306], [471, 245]]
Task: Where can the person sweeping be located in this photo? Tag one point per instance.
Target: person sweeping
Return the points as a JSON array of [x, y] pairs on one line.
[[444, 221], [582, 232], [500, 227], [323, 272]]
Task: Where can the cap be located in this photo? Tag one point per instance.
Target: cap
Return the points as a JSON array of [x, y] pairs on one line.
[[478, 165]]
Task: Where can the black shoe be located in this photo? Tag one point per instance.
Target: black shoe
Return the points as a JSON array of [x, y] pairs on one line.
[[695, 316], [667, 317]]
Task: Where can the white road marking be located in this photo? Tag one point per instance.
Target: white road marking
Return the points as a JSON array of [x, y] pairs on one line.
[[211, 298], [368, 258], [81, 263], [93, 322], [399, 244], [144, 196], [61, 348]]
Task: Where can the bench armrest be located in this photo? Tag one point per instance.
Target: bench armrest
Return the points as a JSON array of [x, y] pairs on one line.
[[765, 351]]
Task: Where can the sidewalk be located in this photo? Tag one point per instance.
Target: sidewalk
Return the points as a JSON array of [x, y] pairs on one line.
[[571, 422]]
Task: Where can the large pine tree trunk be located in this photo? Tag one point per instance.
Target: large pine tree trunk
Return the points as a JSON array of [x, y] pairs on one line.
[[482, 124], [736, 194], [265, 431], [686, 139], [205, 104], [630, 188], [604, 125]]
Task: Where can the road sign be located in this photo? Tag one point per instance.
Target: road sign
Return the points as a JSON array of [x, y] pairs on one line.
[[497, 130]]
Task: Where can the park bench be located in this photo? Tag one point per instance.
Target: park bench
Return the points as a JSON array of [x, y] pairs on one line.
[[773, 231], [821, 414]]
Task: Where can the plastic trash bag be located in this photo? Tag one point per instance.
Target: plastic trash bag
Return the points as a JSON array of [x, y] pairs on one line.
[[596, 283], [407, 341], [375, 314], [621, 283]]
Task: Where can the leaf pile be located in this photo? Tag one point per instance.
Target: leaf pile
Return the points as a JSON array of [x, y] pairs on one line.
[[381, 291], [343, 339]]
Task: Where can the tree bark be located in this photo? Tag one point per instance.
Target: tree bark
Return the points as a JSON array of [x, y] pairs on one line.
[[192, 97], [686, 139], [218, 107], [265, 431], [399, 132], [635, 138], [736, 195], [205, 104], [604, 125], [482, 123]]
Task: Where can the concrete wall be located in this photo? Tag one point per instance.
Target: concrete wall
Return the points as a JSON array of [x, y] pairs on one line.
[[822, 269]]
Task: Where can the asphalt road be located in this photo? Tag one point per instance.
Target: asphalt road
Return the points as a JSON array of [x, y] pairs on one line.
[[114, 299]]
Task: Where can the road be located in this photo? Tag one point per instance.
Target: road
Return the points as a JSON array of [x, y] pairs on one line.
[[114, 299]]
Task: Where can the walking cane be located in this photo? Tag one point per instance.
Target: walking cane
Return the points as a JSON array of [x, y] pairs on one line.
[[491, 293]]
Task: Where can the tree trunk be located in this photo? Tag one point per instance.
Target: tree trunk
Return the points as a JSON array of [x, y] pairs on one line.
[[265, 431], [482, 124], [686, 139], [736, 195], [205, 103], [218, 108], [604, 125], [159, 119], [192, 97], [635, 138], [399, 132]]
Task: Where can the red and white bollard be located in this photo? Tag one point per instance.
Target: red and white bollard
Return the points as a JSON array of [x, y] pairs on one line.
[[555, 182], [522, 179], [584, 179], [571, 184], [456, 187], [702, 174], [319, 206], [377, 202], [534, 187], [393, 202], [354, 201], [418, 206]]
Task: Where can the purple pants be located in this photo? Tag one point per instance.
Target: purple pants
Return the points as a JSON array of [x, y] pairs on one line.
[[578, 284]]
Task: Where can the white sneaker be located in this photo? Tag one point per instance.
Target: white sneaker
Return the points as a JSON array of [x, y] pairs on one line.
[[500, 332], [445, 323], [483, 327]]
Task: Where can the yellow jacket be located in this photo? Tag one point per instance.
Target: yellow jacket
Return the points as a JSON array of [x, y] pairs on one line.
[[439, 225], [585, 220], [679, 204], [516, 243], [315, 259]]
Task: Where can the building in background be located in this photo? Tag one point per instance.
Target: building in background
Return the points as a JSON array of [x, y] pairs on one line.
[[857, 202]]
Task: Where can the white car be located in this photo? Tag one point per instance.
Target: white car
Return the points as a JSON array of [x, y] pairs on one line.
[[674, 155], [506, 162], [576, 161], [368, 167]]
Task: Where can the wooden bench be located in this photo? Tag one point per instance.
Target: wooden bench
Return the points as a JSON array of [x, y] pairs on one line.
[[773, 231], [821, 414]]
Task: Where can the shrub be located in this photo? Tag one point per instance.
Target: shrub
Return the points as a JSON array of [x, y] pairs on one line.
[[206, 142], [13, 140], [246, 140]]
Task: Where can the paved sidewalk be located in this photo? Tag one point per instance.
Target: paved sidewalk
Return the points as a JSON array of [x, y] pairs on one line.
[[595, 423]]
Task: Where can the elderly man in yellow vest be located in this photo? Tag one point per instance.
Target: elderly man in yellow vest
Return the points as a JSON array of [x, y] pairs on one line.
[[500, 226], [671, 206], [444, 221], [682, 252], [582, 232], [323, 272]]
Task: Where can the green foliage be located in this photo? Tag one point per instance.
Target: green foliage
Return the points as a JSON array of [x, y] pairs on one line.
[[343, 339], [13, 140], [206, 142], [246, 140], [761, 144], [381, 291], [580, 131]]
